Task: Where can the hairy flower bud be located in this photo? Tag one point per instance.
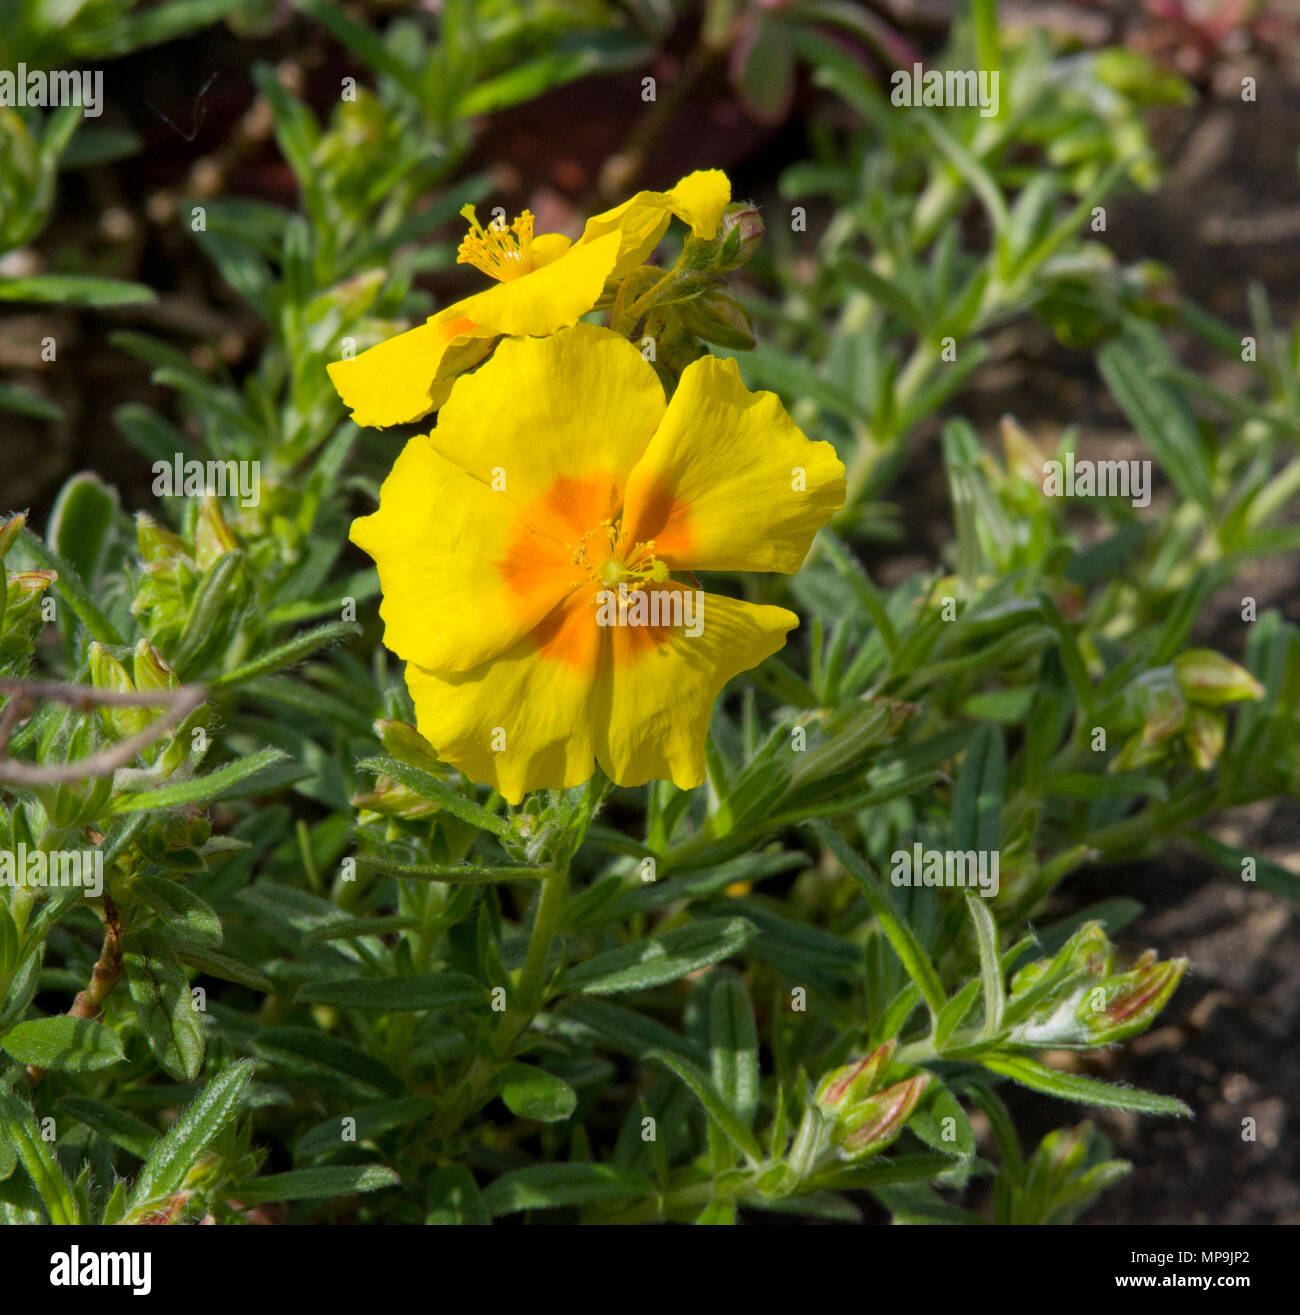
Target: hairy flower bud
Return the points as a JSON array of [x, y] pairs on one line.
[[742, 234], [843, 1087], [714, 317], [1210, 679], [871, 1125]]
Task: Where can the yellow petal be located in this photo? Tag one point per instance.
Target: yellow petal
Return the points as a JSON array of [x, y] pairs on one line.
[[463, 578], [699, 199], [658, 694], [555, 424], [524, 721], [636, 699], [729, 482], [410, 375], [553, 296]]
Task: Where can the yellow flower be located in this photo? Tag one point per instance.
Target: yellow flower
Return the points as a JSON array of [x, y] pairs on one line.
[[556, 474], [544, 283]]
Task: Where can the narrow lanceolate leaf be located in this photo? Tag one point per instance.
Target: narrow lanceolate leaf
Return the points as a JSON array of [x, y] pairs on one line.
[[18, 1127], [122, 1129], [1085, 1091], [545, 1186], [160, 992], [986, 934], [294, 650], [188, 919], [76, 290], [317, 1184], [733, 1045], [429, 787], [191, 1134], [71, 1045], [660, 959], [711, 1098], [906, 946], [461, 874], [203, 790], [436, 991]]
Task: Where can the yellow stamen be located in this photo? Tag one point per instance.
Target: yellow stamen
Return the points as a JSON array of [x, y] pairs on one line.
[[501, 253]]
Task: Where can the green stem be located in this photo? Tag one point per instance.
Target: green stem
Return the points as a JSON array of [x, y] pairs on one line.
[[546, 926]]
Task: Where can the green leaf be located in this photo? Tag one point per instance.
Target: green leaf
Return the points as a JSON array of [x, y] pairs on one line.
[[294, 650], [203, 790], [977, 795], [14, 397], [454, 1198], [715, 1105], [900, 935], [452, 873], [68, 1045], [317, 1184], [75, 290], [660, 959], [986, 935], [764, 72], [73, 590], [625, 1030], [429, 787], [438, 991], [225, 968], [733, 1045], [119, 1127], [1084, 1091], [190, 1135], [1161, 417], [80, 522], [18, 1127], [160, 992], [188, 919], [546, 1186], [372, 1121], [533, 1093]]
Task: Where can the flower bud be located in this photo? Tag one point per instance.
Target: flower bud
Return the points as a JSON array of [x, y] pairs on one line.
[[402, 741], [714, 317], [1211, 679], [107, 673], [20, 612], [841, 1088], [150, 669], [1128, 1003], [876, 1122], [742, 233], [212, 536], [1207, 732], [10, 528]]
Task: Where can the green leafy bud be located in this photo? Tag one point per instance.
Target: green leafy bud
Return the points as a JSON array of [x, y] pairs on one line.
[[843, 1087], [10, 528], [107, 673], [213, 538], [21, 620], [742, 234], [714, 317], [871, 1125], [1128, 1003], [150, 668], [402, 741], [1211, 679], [1207, 732]]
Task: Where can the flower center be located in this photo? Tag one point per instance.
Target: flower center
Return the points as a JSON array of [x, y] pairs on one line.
[[501, 253], [609, 565]]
